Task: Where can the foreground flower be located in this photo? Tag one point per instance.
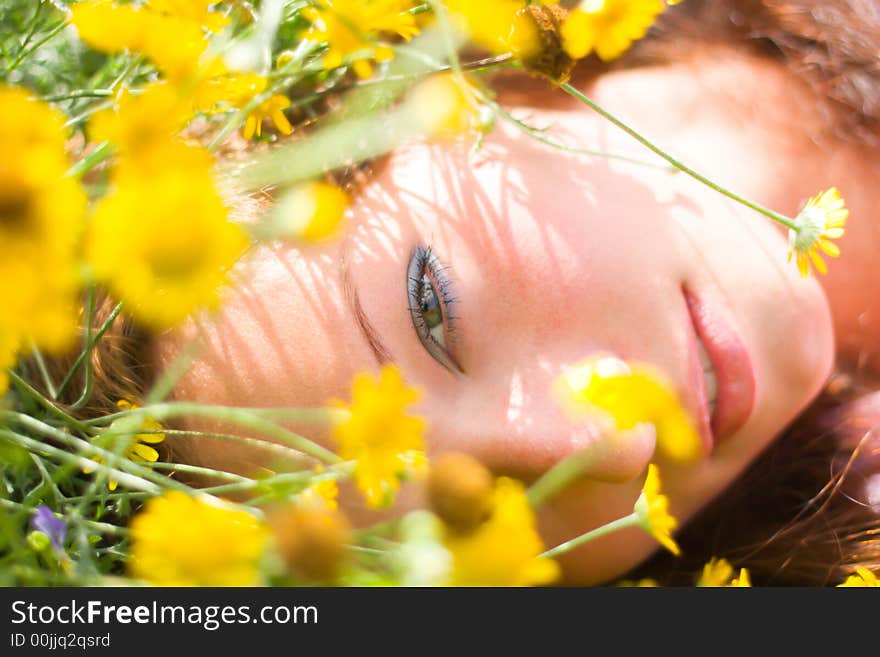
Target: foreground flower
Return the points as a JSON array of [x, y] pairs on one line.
[[41, 218], [178, 540], [630, 394], [446, 105], [351, 27], [822, 219], [173, 34], [324, 492], [652, 509], [379, 435], [718, 572], [311, 541], [311, 212], [502, 551], [161, 239], [139, 449], [608, 27], [862, 578], [487, 23], [52, 526]]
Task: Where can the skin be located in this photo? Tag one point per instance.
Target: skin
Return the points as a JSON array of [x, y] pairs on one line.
[[554, 257]]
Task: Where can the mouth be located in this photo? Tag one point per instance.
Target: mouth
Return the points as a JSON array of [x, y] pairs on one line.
[[724, 378]]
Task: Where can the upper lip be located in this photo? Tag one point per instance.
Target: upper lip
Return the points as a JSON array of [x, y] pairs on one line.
[[733, 370]]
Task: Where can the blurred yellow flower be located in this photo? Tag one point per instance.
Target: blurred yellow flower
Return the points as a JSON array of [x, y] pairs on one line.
[[608, 26], [718, 572], [379, 435], [178, 540], [445, 105], [41, 218], [502, 551], [8, 349], [161, 239], [324, 492], [351, 27], [646, 582], [142, 123], [630, 394], [311, 212], [652, 510], [235, 90], [743, 580], [487, 23], [822, 219], [173, 34], [862, 578], [139, 449]]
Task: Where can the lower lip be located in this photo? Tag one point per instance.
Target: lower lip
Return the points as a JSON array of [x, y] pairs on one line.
[[733, 369]]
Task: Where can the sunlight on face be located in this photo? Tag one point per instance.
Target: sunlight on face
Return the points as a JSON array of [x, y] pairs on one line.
[[519, 261]]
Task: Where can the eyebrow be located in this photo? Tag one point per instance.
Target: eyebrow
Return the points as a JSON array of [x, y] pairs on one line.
[[371, 335]]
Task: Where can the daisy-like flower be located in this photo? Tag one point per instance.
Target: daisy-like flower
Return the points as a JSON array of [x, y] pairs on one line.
[[173, 34], [487, 23], [324, 492], [310, 212], [41, 218], [271, 108], [505, 549], [235, 90], [822, 219], [652, 509], [140, 448], [626, 395], [716, 572], [379, 435], [161, 238], [446, 106], [350, 27], [862, 578], [178, 540], [608, 27]]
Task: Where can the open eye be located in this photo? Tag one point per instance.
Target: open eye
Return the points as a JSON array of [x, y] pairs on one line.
[[429, 301]]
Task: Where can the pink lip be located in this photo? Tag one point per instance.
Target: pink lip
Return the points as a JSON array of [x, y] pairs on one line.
[[733, 369]]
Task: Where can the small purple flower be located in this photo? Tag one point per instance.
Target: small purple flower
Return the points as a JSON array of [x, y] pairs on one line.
[[44, 520]]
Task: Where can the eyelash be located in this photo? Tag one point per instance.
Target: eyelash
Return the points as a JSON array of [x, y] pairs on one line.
[[423, 263]]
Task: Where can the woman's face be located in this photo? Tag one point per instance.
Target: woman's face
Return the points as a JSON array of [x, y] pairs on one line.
[[545, 258]]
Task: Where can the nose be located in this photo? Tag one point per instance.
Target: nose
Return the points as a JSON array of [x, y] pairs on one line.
[[515, 425]]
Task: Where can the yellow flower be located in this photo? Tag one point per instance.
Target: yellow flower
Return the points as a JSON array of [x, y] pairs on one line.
[[312, 212], [143, 123], [161, 239], [445, 105], [171, 33], [178, 540], [503, 551], [652, 510], [321, 493], [379, 435], [8, 349], [743, 581], [351, 27], [487, 23], [607, 26], [822, 219], [647, 582], [718, 572], [139, 449], [271, 109], [629, 394], [41, 219], [862, 578]]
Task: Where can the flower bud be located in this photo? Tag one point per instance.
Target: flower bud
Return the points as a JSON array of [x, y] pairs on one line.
[[311, 541], [460, 491]]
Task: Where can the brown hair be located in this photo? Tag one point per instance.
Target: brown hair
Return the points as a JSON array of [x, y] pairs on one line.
[[797, 515]]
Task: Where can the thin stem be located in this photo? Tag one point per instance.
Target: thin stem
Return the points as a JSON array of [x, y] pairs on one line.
[[38, 397], [88, 350], [767, 212], [631, 520], [557, 478], [103, 527], [90, 161], [44, 372]]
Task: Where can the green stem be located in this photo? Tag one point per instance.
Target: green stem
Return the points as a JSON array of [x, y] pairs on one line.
[[44, 372], [38, 397], [256, 419], [557, 478], [767, 212], [88, 350], [631, 520], [88, 344], [90, 161]]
